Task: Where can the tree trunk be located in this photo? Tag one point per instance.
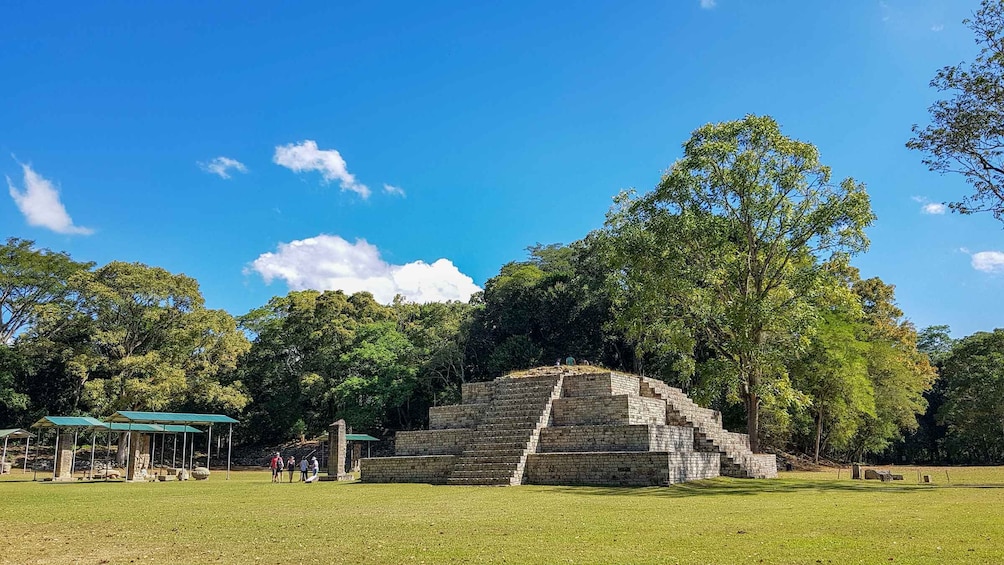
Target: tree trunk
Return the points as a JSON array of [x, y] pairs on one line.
[[753, 420], [819, 432]]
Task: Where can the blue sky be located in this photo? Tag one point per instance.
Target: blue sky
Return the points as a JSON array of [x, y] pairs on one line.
[[416, 147]]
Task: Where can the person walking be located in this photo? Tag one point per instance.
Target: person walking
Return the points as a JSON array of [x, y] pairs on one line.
[[303, 469], [280, 467], [274, 464], [314, 466], [291, 465]]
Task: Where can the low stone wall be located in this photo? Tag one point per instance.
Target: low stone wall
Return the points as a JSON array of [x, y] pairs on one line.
[[433, 469], [608, 437], [648, 468], [599, 384], [455, 416], [431, 442], [477, 393], [622, 409]]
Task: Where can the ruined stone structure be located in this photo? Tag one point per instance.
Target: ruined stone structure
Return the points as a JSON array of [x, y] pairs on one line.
[[569, 425]]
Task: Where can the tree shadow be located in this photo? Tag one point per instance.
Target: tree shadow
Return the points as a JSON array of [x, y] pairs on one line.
[[754, 487]]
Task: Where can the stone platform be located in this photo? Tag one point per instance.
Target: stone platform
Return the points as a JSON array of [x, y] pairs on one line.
[[569, 426]]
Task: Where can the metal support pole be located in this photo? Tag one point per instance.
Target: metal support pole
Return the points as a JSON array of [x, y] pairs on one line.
[[3, 458], [128, 451], [34, 462], [230, 438], [174, 452], [55, 451], [108, 453], [184, 444], [73, 454], [94, 440], [163, 440], [27, 450], [209, 445]]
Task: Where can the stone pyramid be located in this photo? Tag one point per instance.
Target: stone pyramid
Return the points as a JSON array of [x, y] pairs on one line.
[[576, 425]]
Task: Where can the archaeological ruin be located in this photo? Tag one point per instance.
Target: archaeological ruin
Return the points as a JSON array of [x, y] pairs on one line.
[[569, 425]]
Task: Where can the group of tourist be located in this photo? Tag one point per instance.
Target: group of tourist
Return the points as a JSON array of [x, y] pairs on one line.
[[308, 470]]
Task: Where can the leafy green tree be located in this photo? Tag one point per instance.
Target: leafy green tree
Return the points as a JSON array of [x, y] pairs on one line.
[[966, 133], [973, 410], [834, 373], [139, 337], [730, 247], [899, 373], [31, 280]]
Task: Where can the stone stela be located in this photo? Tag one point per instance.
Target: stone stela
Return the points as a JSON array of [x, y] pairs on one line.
[[568, 426]]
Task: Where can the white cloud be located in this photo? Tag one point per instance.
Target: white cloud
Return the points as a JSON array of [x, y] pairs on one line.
[[885, 10], [395, 190], [989, 261], [220, 166], [708, 4], [40, 204], [937, 27], [920, 199], [328, 262], [934, 208], [305, 156]]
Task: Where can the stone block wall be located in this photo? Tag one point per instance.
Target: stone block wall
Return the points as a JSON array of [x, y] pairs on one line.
[[607, 437], [599, 384], [647, 468], [622, 409], [431, 442], [477, 393], [432, 469], [455, 416]]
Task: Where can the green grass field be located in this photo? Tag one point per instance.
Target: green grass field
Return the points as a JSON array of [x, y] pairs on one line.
[[799, 518]]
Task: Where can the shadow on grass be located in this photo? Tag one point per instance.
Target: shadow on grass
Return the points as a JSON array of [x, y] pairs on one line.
[[753, 487]]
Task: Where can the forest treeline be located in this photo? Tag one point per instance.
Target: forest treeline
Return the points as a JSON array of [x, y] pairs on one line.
[[731, 279]]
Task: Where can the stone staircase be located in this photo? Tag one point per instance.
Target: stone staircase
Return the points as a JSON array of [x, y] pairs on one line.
[[509, 430], [737, 459]]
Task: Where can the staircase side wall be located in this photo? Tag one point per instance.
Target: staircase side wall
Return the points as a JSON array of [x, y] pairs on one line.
[[599, 384], [621, 409]]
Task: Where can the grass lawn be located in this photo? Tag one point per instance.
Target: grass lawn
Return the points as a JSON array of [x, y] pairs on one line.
[[799, 518]]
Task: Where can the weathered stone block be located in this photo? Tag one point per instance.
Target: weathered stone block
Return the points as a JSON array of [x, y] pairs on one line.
[[599, 384], [652, 468], [433, 469], [621, 409], [431, 442], [200, 473], [607, 437], [455, 416], [477, 393]]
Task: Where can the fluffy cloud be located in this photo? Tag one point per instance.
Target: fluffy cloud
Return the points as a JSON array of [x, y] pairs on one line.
[[220, 166], [934, 208], [328, 262], [394, 190], [305, 156], [40, 204], [989, 261], [937, 27], [708, 4]]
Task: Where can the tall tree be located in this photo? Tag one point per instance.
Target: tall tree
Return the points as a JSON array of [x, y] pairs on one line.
[[973, 409], [966, 133], [31, 280], [731, 245]]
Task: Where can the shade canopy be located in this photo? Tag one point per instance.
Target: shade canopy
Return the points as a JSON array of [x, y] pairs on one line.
[[169, 418], [68, 422], [351, 437], [16, 433], [150, 428]]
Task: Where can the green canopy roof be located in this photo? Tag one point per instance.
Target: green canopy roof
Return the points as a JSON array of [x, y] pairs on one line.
[[350, 437], [15, 433], [68, 422], [150, 428], [170, 418]]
